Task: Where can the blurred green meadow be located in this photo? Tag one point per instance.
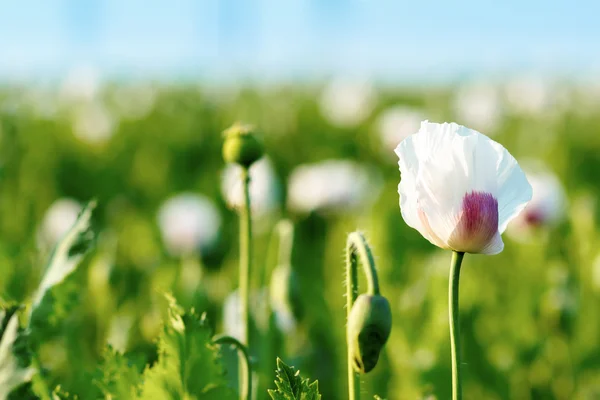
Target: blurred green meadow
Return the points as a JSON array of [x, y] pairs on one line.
[[530, 316]]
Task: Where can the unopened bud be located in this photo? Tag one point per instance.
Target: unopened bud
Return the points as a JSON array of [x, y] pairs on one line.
[[241, 145], [369, 326]]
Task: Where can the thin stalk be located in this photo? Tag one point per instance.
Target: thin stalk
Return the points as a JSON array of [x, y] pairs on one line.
[[357, 247], [244, 359], [457, 258], [245, 264]]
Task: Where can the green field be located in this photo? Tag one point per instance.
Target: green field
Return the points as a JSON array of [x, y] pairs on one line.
[[530, 316]]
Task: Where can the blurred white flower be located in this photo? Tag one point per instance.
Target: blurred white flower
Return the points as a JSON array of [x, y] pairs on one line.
[[118, 333], [529, 95], [59, 218], [479, 105], [134, 101], [459, 188], [347, 103], [188, 223], [332, 186], [232, 312], [264, 187], [547, 206], [93, 123], [82, 83], [596, 274], [397, 123]]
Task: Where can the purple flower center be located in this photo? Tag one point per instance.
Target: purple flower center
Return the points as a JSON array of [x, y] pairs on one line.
[[477, 223]]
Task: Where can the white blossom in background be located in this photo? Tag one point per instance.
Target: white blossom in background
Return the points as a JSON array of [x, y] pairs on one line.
[[332, 186], [134, 101], [118, 333], [397, 123], [93, 123], [264, 187], [232, 313], [529, 95], [596, 274], [189, 223], [59, 218], [346, 103], [479, 105], [81, 84], [547, 206]]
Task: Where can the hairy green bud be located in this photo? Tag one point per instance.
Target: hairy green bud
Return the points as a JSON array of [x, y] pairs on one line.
[[241, 145], [369, 326]]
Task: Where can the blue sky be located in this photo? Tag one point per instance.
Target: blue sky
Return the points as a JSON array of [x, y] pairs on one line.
[[289, 39]]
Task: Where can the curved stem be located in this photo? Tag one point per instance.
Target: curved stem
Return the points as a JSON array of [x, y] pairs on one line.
[[457, 258], [245, 360], [245, 263], [356, 247]]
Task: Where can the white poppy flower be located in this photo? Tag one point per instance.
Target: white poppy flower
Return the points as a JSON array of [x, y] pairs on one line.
[[397, 123], [529, 95], [59, 218], [459, 188], [93, 123], [479, 105], [547, 205], [264, 187], [347, 103], [331, 186], [189, 222]]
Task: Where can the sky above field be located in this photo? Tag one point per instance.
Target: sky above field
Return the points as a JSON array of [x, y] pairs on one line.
[[289, 39]]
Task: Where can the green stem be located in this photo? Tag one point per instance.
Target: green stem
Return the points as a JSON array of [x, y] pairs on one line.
[[245, 262], [245, 360], [457, 258], [357, 247]]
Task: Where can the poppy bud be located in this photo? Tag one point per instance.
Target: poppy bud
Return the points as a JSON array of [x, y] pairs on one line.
[[369, 326], [241, 145]]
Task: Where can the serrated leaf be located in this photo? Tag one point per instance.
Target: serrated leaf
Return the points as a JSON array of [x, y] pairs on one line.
[[116, 378], [187, 365], [12, 375], [67, 254], [291, 386]]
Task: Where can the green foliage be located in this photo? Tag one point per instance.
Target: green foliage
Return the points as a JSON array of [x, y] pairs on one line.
[[188, 364], [12, 373], [291, 386], [116, 377], [67, 254]]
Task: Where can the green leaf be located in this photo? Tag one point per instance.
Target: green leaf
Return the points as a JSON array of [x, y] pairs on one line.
[[116, 377], [188, 363], [290, 386], [12, 373], [67, 254]]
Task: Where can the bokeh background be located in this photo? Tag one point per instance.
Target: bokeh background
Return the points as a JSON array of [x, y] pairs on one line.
[[125, 102]]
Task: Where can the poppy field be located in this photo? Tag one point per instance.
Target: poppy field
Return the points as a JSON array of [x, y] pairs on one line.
[[187, 241]]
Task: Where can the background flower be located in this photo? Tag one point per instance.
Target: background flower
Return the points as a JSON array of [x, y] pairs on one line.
[[188, 223], [331, 186]]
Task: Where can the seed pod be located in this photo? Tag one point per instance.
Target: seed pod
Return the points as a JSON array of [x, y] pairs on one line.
[[369, 326], [241, 145]]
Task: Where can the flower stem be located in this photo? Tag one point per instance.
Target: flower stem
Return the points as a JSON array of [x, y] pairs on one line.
[[245, 263], [455, 264], [244, 360], [356, 247]]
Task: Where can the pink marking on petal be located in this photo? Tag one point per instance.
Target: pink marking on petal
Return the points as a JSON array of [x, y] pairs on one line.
[[477, 223], [429, 233]]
